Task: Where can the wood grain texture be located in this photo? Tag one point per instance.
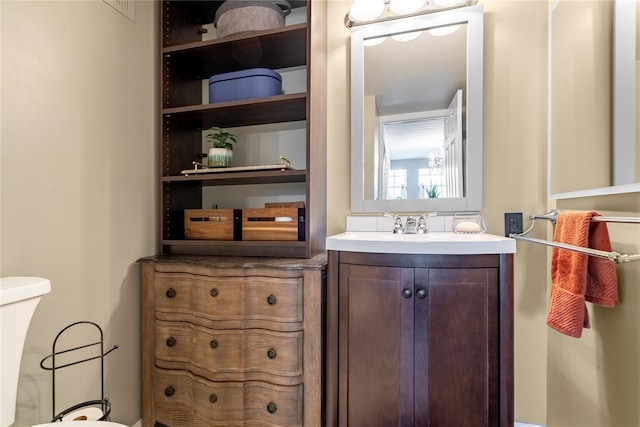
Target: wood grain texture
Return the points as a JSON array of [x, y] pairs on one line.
[[238, 329], [419, 341]]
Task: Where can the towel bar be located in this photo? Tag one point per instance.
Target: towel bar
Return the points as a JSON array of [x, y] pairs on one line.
[[616, 257], [553, 216]]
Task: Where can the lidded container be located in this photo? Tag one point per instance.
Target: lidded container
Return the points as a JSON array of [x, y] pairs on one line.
[[244, 84], [239, 16]]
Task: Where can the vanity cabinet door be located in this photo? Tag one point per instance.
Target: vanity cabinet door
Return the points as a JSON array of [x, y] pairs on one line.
[[456, 347], [376, 351]]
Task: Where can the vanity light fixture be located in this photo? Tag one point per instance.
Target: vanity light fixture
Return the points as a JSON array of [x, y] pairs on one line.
[[448, 3], [444, 31], [375, 41], [404, 7], [366, 10], [371, 11], [405, 37]]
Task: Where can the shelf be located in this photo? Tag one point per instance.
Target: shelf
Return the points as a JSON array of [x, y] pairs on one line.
[[276, 48], [243, 178], [185, 62], [278, 249], [245, 112]]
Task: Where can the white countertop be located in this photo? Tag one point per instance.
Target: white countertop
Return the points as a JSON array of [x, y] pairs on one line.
[[432, 243]]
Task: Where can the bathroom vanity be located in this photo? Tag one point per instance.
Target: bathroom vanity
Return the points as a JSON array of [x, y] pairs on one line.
[[420, 330], [232, 341]]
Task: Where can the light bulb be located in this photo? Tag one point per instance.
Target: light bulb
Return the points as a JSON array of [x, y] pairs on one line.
[[403, 7], [374, 41], [366, 10], [444, 31], [448, 3], [405, 37]]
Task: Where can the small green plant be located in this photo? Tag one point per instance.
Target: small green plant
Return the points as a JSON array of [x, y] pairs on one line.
[[432, 192], [221, 138]]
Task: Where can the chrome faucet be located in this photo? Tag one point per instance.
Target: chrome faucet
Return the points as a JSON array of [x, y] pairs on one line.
[[422, 225], [411, 225]]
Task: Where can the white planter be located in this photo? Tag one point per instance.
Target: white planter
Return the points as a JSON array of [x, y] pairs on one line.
[[220, 157]]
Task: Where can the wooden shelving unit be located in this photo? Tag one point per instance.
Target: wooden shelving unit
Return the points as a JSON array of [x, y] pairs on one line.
[[187, 60]]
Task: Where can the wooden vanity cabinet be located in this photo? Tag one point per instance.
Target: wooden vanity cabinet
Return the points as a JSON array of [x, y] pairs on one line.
[[419, 340], [232, 341]]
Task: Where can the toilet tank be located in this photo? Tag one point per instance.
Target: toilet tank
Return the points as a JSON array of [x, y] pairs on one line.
[[19, 297]]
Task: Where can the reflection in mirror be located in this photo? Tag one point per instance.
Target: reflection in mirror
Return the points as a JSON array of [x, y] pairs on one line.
[[419, 155], [417, 113], [593, 142]]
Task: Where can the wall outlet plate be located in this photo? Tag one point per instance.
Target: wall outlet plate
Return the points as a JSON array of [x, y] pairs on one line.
[[513, 223]]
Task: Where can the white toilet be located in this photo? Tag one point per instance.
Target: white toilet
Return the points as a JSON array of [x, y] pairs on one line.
[[19, 297]]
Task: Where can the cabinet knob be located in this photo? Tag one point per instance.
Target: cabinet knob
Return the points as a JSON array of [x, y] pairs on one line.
[[213, 398], [213, 343], [171, 341], [171, 293], [272, 353], [406, 293], [271, 299], [421, 293], [214, 292], [169, 391], [272, 408]]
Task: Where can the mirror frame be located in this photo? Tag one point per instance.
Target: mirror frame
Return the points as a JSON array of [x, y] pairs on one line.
[[624, 107], [472, 201]]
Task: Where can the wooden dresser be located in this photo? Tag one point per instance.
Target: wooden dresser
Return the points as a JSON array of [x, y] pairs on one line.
[[232, 341]]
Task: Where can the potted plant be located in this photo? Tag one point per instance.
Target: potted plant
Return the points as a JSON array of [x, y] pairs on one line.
[[432, 192], [221, 154]]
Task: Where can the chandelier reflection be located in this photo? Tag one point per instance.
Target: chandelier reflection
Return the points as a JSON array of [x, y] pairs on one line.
[[436, 159]]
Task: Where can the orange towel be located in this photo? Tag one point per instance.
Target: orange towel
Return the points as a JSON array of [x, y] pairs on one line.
[[576, 277]]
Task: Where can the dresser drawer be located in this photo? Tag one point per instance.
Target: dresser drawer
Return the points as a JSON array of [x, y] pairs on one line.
[[230, 355], [185, 400], [236, 298]]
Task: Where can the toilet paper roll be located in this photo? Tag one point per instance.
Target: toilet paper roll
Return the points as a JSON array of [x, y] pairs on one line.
[[84, 414]]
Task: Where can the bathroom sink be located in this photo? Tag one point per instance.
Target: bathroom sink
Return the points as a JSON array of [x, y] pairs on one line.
[[446, 243]]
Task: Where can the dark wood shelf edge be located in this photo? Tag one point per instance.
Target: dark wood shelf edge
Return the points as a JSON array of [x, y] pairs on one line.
[[244, 103], [280, 249], [243, 178], [246, 112], [290, 30]]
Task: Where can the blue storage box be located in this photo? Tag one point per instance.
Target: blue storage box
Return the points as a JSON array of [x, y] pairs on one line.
[[245, 84]]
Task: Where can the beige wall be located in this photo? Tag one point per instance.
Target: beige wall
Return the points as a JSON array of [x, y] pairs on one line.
[[78, 186], [599, 374], [595, 380]]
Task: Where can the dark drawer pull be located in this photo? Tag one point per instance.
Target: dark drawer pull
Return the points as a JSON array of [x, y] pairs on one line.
[[213, 398], [421, 293], [214, 292], [213, 343], [272, 353], [406, 293], [271, 299], [171, 293], [169, 391], [171, 341], [272, 408]]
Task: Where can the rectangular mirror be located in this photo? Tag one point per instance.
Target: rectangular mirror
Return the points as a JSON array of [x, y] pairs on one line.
[[593, 96], [416, 113]]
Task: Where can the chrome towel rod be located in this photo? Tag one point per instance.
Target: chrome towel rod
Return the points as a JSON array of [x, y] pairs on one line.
[[553, 216], [616, 257]]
